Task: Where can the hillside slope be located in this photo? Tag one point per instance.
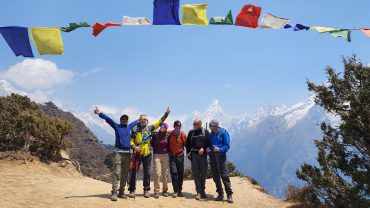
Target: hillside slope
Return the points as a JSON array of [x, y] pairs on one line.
[[87, 149], [36, 184]]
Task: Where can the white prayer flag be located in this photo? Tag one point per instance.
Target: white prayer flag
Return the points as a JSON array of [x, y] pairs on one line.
[[273, 22], [136, 21]]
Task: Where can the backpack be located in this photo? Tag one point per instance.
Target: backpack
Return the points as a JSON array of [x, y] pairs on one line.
[[203, 134]]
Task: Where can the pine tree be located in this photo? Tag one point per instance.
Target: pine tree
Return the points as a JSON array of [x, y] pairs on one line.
[[342, 178]]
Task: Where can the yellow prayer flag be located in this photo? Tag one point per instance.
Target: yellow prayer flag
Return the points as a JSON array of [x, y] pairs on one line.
[[323, 29], [47, 40], [194, 14]]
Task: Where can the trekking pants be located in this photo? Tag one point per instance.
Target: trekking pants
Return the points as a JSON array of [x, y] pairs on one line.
[[121, 167], [199, 166], [146, 161], [177, 172], [160, 166], [220, 171]]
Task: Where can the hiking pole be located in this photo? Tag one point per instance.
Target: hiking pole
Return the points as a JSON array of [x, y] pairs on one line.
[[218, 167], [137, 166], [133, 167]]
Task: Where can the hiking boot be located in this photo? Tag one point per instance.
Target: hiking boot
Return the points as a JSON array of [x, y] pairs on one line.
[[174, 195], [146, 194], [220, 197], [156, 195], [230, 198], [180, 194], [132, 194], [121, 194], [165, 193], [198, 196], [113, 197], [204, 195]]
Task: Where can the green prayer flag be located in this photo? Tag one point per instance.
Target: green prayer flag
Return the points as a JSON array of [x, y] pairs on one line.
[[73, 26], [217, 20], [343, 33], [228, 20]]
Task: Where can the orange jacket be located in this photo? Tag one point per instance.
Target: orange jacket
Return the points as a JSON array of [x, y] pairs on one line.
[[176, 143]]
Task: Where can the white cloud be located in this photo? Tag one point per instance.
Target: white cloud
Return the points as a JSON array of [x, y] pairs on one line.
[[37, 74], [90, 72], [39, 96]]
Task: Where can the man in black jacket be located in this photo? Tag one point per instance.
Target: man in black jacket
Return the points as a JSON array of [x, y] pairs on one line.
[[196, 146]]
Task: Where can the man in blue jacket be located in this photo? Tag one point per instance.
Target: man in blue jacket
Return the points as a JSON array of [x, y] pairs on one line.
[[220, 144], [121, 155]]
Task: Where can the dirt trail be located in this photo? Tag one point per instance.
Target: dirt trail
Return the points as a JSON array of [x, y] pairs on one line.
[[39, 185]]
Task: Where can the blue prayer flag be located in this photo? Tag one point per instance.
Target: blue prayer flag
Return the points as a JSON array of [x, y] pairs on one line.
[[287, 26], [300, 27], [18, 40], [166, 12]]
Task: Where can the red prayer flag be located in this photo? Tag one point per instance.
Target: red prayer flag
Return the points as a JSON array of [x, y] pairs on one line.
[[248, 16], [366, 31], [98, 27]]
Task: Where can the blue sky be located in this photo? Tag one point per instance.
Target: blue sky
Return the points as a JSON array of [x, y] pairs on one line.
[[185, 67]]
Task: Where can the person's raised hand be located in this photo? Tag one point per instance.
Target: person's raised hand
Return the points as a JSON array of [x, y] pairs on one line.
[[96, 111], [168, 111]]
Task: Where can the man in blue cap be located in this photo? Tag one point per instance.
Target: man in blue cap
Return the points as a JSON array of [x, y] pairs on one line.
[[220, 144], [121, 156]]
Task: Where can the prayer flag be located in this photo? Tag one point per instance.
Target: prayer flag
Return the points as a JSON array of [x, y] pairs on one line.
[[228, 20], [98, 27], [47, 40], [344, 33], [18, 40], [135, 21], [194, 14], [298, 27], [248, 16], [73, 26], [166, 12], [273, 22]]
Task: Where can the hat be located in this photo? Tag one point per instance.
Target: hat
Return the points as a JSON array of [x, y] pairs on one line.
[[214, 122], [124, 116], [164, 125], [177, 123]]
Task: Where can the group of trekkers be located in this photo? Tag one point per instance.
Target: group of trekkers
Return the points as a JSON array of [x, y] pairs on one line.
[[136, 141]]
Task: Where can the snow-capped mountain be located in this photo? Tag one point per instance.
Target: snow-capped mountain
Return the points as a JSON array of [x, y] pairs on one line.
[[269, 145], [6, 89]]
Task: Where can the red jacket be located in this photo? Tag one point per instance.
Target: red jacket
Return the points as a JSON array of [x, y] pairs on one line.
[[176, 143]]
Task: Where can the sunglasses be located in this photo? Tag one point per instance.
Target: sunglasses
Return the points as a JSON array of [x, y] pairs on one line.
[[213, 126], [124, 119], [195, 124]]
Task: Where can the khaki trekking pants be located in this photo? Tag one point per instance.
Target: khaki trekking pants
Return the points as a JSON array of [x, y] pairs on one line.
[[121, 167], [160, 164]]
